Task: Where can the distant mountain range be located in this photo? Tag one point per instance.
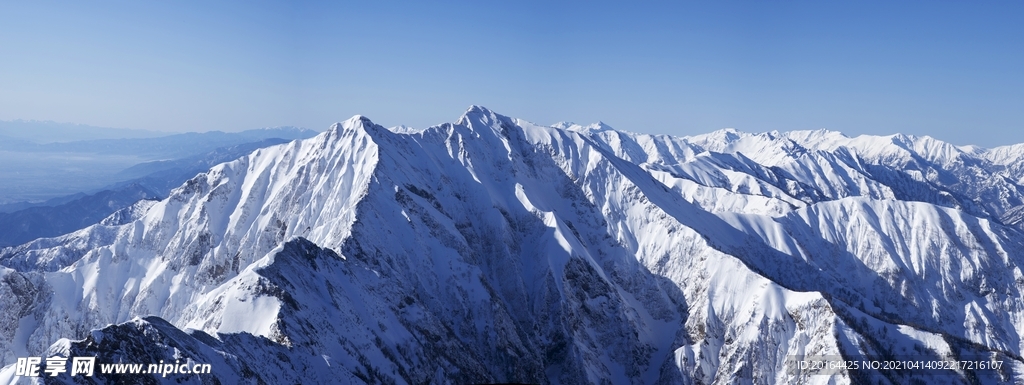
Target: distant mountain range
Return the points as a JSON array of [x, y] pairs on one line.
[[151, 180], [495, 250], [163, 147], [36, 131], [36, 173], [49, 221], [175, 159]]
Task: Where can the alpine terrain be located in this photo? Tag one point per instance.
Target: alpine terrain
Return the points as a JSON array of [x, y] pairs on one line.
[[495, 250]]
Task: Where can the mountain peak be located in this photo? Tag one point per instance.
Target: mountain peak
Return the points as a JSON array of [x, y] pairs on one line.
[[478, 109], [816, 138], [480, 116], [356, 122], [726, 135], [563, 125], [695, 255], [600, 126]]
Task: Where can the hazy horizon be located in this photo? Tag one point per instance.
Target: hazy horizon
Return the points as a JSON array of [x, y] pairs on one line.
[[143, 133]]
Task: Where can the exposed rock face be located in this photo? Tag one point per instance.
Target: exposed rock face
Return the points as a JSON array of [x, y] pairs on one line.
[[495, 250]]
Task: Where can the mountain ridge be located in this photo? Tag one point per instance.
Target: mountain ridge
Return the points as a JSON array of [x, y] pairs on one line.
[[495, 250]]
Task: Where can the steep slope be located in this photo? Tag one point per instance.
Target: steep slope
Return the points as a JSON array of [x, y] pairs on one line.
[[25, 225], [35, 173], [207, 231], [496, 250], [151, 180]]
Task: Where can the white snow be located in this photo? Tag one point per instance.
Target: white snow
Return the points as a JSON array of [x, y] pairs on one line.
[[649, 257]]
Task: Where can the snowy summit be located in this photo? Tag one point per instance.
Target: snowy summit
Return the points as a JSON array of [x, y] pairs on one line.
[[493, 250]]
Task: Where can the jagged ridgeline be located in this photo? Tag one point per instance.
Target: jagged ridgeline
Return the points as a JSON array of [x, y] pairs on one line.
[[496, 250]]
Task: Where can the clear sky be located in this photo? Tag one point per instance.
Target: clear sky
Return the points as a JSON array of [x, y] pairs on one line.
[[952, 70]]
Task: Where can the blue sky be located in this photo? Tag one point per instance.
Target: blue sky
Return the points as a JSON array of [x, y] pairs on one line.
[[952, 70]]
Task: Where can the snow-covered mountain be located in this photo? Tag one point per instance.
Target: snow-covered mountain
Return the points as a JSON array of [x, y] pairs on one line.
[[496, 250], [35, 173], [35, 222], [149, 180]]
